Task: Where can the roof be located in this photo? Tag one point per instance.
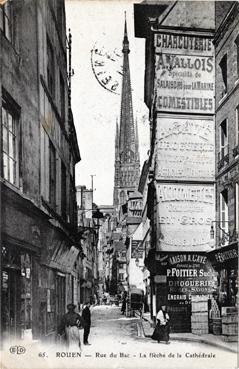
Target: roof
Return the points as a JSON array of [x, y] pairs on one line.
[[145, 10]]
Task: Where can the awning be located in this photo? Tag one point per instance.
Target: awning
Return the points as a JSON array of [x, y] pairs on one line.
[[64, 258]]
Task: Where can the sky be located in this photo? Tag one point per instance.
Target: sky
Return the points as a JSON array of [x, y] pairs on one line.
[[101, 24]]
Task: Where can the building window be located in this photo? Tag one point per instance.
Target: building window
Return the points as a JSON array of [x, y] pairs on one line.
[[62, 97], [6, 20], [52, 175], [237, 206], [50, 68], [10, 158], [63, 190], [223, 66], [223, 153], [122, 197], [237, 125], [237, 51], [121, 276], [236, 148], [223, 216]]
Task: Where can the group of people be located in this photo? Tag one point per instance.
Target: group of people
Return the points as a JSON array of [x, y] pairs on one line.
[[72, 323]]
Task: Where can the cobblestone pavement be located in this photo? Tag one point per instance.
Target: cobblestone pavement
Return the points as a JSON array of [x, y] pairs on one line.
[[115, 344]]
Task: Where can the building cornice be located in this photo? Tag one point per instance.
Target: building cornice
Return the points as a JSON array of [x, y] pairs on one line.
[[224, 26]]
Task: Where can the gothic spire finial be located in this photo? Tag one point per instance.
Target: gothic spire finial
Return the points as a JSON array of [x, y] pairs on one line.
[[125, 40], [125, 25]]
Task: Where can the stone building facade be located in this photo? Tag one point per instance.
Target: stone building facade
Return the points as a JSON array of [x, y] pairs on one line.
[[225, 229], [40, 255], [191, 75], [179, 92]]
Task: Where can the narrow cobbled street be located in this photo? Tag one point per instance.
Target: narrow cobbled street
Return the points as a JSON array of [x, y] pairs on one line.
[[108, 321], [114, 341]]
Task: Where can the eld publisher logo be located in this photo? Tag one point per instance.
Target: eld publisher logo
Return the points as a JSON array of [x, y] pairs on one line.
[[17, 350]]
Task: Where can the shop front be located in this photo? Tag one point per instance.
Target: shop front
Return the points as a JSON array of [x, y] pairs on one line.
[[16, 292], [181, 280], [57, 282], [225, 262], [21, 230]]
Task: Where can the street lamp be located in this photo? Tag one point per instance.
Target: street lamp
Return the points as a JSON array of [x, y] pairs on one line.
[[226, 235]]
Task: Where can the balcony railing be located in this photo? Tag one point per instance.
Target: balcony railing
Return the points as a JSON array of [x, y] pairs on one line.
[[223, 157]]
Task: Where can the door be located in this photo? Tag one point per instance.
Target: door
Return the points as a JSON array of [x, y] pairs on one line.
[[11, 303], [60, 298]]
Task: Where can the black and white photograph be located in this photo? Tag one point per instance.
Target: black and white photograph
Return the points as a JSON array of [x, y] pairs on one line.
[[119, 184]]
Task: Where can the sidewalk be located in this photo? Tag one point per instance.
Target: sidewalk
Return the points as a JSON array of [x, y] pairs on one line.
[[146, 330]]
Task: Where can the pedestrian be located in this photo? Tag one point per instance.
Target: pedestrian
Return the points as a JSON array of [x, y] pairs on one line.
[[161, 332], [104, 300], [70, 326], [86, 316]]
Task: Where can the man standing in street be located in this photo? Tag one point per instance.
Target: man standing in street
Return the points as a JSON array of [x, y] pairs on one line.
[[86, 315]]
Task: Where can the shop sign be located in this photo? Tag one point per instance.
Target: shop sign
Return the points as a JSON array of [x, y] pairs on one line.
[[184, 67], [185, 149], [224, 255], [187, 274], [183, 44], [185, 213], [135, 208]]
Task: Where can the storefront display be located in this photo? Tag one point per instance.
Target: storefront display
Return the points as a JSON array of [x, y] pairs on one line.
[[225, 262]]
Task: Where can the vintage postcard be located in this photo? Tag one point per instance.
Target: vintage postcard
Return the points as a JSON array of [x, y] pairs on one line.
[[119, 179]]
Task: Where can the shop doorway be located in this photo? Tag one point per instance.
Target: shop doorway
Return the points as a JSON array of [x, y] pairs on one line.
[[11, 303], [180, 317], [60, 297]]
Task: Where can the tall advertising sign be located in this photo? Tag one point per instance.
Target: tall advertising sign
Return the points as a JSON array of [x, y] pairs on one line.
[[185, 149], [184, 73], [185, 142], [185, 213]]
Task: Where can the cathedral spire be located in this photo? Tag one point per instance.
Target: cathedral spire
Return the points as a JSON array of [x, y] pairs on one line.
[[136, 139], [117, 140], [128, 165]]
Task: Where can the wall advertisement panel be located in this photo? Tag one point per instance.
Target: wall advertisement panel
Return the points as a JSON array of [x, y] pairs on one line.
[[184, 67], [185, 149], [186, 274], [185, 213]]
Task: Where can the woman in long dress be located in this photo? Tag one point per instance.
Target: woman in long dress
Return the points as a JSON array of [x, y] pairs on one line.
[[161, 332]]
